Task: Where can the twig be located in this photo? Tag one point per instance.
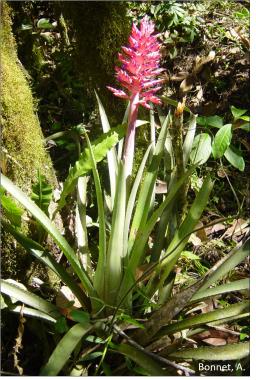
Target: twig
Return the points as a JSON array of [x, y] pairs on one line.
[[166, 362], [18, 342]]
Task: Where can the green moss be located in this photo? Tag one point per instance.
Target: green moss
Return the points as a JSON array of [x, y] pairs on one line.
[[23, 141], [22, 136]]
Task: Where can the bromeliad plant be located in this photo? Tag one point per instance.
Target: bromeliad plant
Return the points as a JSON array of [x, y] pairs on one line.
[[130, 284]]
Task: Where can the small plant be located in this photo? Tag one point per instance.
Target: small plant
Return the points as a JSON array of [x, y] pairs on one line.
[[123, 301], [221, 144]]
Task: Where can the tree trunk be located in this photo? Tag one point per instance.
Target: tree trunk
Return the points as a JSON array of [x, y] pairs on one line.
[[23, 151]]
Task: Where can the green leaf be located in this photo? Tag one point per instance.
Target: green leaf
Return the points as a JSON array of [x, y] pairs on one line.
[[245, 127], [47, 259], [222, 141], [173, 103], [189, 255], [229, 352], [100, 148], [189, 139], [182, 235], [145, 195], [64, 349], [42, 219], [132, 198], [237, 112], [142, 359], [235, 257], [115, 254], [42, 193], [234, 156], [91, 356], [245, 118], [11, 210], [33, 313], [216, 315], [143, 234], [80, 316], [201, 149], [29, 298], [99, 278], [61, 325], [222, 289], [111, 155], [44, 23], [126, 318], [211, 121]]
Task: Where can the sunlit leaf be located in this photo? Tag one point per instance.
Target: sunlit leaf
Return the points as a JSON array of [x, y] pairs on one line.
[[100, 149], [64, 349], [211, 121], [234, 156], [229, 352], [222, 141], [237, 112], [201, 149]]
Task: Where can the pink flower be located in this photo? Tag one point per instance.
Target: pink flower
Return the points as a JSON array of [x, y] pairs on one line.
[[140, 66]]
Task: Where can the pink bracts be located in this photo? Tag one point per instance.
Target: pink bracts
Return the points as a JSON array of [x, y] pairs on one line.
[[140, 65], [138, 76]]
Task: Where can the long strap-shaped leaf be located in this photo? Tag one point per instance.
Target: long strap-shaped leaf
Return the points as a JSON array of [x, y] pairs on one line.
[[181, 237], [29, 312], [144, 201], [227, 312], [132, 198], [188, 142], [64, 349], [99, 279], [234, 351], [235, 257], [138, 250], [29, 298], [142, 359], [111, 155], [221, 289], [46, 258], [143, 234], [114, 267], [51, 229]]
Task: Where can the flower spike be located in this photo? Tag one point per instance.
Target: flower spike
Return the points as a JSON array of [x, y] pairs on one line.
[[140, 65]]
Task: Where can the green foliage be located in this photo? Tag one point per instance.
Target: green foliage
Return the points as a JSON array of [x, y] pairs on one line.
[[22, 136], [42, 193], [100, 148], [221, 141], [221, 146], [11, 210], [64, 349], [201, 149]]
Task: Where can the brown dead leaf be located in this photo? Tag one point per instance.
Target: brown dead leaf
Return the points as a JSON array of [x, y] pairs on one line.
[[217, 228], [201, 234], [238, 228], [195, 240], [142, 269], [215, 341]]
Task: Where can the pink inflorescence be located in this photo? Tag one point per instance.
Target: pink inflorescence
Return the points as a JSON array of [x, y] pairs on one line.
[[140, 66]]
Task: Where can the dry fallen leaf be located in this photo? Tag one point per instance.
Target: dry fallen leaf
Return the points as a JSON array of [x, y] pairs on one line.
[[215, 341]]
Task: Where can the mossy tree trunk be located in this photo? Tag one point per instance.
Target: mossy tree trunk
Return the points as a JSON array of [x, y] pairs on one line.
[[99, 29], [23, 151]]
